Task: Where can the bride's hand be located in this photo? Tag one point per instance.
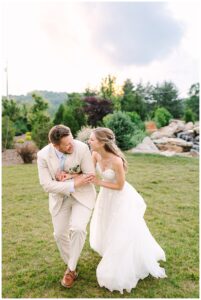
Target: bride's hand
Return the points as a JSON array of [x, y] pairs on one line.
[[70, 175], [62, 176], [95, 180]]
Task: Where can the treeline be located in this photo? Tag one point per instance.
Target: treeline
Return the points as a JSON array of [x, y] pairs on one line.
[[123, 109]]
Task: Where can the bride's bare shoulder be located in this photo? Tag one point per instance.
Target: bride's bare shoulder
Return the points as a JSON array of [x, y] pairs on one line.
[[117, 161]]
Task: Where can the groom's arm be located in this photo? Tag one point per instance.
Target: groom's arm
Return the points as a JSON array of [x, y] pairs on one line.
[[87, 165], [50, 185]]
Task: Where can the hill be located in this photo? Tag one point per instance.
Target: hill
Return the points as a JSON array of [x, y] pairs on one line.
[[54, 99]]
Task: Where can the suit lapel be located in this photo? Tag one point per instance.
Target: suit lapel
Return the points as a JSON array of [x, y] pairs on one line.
[[53, 161]]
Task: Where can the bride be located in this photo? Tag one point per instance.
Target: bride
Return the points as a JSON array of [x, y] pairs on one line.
[[118, 231]]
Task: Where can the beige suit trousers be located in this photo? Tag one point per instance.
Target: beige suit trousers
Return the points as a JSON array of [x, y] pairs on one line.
[[70, 230]]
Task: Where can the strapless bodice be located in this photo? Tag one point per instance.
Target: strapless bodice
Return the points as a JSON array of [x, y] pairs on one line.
[[108, 174]]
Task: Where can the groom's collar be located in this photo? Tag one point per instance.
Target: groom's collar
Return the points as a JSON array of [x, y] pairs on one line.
[[58, 153]]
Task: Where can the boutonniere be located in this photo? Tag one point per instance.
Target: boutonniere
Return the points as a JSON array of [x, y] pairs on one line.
[[75, 169]]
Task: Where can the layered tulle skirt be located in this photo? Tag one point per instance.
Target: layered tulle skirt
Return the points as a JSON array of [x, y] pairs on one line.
[[118, 232]]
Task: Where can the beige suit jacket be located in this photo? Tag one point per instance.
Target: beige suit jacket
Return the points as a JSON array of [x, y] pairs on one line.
[[48, 164]]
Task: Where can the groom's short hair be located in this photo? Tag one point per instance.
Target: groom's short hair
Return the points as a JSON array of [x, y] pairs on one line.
[[57, 132]]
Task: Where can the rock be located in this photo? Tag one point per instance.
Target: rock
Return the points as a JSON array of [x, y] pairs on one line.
[[194, 153], [167, 131], [195, 147], [173, 144], [196, 130], [188, 126], [11, 157], [169, 147], [147, 146], [186, 135], [188, 154], [179, 125]]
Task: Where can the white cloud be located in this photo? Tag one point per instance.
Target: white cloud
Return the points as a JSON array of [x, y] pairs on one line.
[[50, 45]]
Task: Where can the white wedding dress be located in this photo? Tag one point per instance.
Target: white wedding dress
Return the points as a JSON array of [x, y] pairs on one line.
[[118, 232]]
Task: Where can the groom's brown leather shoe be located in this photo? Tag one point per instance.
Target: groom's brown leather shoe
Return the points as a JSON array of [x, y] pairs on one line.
[[69, 278]]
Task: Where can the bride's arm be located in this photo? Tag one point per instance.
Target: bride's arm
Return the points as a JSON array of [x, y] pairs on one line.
[[120, 177]]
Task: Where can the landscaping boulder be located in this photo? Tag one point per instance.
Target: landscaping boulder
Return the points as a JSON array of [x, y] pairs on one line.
[[173, 144], [147, 146]]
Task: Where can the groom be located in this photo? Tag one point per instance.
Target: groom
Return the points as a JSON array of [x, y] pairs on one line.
[[71, 201]]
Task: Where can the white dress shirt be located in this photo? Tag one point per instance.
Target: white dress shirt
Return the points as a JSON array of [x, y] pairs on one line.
[[60, 157]]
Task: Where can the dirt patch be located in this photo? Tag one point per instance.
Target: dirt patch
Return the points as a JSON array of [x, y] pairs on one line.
[[11, 157]]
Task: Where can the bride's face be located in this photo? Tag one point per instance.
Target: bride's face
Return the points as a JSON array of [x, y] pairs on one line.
[[94, 143]]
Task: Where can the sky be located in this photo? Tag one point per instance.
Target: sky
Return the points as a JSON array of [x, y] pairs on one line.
[[67, 46]]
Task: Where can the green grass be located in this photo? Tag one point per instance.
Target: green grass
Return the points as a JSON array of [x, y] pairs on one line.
[[31, 265]]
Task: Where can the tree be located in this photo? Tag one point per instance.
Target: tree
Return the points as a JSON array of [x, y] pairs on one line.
[[17, 113], [11, 109], [166, 95], [90, 92], [40, 104], [96, 109], [38, 109], [40, 121], [132, 100], [59, 115], [8, 133], [41, 129], [128, 96], [192, 102], [73, 114], [109, 91]]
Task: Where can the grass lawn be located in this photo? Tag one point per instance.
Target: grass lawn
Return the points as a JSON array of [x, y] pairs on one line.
[[32, 267]]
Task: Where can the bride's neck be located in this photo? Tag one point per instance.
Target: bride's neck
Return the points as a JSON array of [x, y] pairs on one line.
[[104, 154]]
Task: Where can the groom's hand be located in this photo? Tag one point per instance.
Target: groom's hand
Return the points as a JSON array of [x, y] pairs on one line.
[[83, 179], [60, 176]]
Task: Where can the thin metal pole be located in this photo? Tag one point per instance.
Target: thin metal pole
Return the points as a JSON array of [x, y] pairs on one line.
[[7, 95]]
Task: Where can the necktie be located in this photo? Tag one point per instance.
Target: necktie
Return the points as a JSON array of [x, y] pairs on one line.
[[62, 162]]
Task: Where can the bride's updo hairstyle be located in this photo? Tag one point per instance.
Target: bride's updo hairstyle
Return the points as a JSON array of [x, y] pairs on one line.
[[107, 136]]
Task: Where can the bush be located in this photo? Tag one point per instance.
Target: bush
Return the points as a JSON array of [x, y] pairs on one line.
[[84, 134], [137, 137], [136, 120], [8, 133], [122, 127], [162, 117], [189, 116], [20, 141], [27, 152], [28, 136]]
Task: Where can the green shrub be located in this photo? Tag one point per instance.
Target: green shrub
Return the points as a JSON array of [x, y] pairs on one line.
[[106, 119], [136, 120], [122, 127], [84, 134], [137, 137], [162, 117], [189, 116], [28, 136], [20, 141]]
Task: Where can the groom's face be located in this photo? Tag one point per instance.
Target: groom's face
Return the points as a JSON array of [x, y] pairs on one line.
[[66, 145]]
